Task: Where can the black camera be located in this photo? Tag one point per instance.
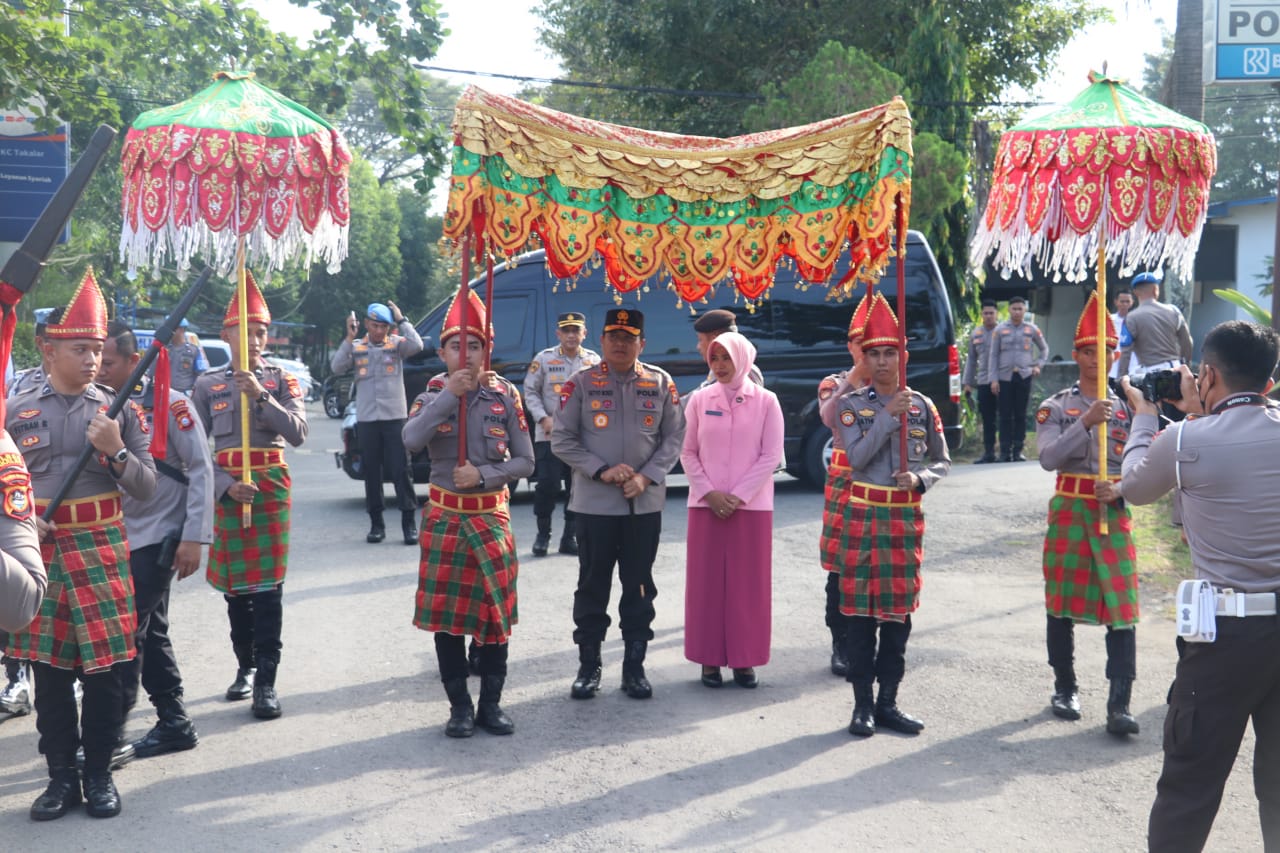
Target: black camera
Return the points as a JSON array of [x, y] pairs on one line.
[[1161, 385]]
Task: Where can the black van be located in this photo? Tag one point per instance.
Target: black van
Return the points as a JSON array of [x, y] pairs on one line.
[[799, 333]]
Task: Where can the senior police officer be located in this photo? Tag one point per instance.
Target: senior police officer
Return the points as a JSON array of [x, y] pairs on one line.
[[1224, 468], [548, 372], [976, 376], [167, 535], [381, 409], [620, 427], [1158, 337], [1011, 368]]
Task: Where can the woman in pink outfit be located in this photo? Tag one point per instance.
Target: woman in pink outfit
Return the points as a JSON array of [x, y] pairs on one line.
[[732, 445]]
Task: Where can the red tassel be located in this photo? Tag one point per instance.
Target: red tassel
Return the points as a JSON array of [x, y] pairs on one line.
[[160, 401], [7, 328]]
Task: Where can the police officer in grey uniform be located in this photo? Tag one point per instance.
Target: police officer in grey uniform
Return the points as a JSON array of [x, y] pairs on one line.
[[167, 535], [1224, 470], [381, 409], [976, 376], [22, 576], [1158, 337], [186, 361], [620, 427], [1011, 368], [548, 372]]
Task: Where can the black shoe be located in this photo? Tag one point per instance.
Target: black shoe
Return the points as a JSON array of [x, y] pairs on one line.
[[540, 544], [569, 545], [987, 459], [242, 687], [1017, 456], [167, 736], [63, 792], [711, 676], [634, 682], [266, 705], [889, 716], [1065, 702], [409, 526], [462, 714], [489, 714], [376, 534], [1119, 720], [123, 754], [839, 657], [746, 678], [863, 723], [101, 799], [587, 682]]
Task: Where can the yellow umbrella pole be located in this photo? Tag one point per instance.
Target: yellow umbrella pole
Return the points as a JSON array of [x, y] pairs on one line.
[[246, 510], [1103, 368]]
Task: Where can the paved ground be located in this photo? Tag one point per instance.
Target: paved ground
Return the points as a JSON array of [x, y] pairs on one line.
[[359, 760]]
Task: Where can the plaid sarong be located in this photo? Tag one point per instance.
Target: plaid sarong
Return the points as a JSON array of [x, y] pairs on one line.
[[87, 618], [467, 575], [882, 575], [252, 559], [1089, 577], [833, 546]]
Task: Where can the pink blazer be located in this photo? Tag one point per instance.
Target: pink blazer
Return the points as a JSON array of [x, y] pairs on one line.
[[732, 448]]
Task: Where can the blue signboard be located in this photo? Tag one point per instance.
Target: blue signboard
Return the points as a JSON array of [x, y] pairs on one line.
[[32, 167], [1242, 41]]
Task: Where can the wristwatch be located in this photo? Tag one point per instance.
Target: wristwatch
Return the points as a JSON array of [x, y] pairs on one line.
[[121, 455], [264, 396]]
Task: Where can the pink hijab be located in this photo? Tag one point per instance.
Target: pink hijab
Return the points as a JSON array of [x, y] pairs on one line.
[[743, 355]]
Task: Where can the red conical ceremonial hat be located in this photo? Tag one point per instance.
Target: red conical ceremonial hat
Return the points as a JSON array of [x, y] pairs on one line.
[[256, 311], [477, 323], [881, 329], [858, 323], [85, 315], [1087, 326]]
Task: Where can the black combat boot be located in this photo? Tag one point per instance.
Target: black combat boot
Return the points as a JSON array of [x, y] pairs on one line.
[[1066, 695], [888, 716], [569, 544], [242, 687], [377, 530], [489, 714], [266, 705], [543, 540], [101, 799], [589, 668], [634, 682], [173, 733], [63, 791], [839, 654], [863, 723], [409, 526], [462, 714], [1119, 720]]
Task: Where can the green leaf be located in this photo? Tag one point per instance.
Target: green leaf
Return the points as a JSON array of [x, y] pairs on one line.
[[1243, 302]]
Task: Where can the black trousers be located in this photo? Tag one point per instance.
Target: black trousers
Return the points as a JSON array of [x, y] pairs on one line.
[[256, 620], [551, 474], [99, 725], [451, 655], [1014, 395], [867, 663], [836, 621], [1217, 689], [382, 456], [630, 542], [1122, 647], [989, 409], [155, 663]]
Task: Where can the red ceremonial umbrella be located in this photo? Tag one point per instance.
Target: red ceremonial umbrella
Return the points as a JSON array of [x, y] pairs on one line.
[[241, 175], [1112, 176]]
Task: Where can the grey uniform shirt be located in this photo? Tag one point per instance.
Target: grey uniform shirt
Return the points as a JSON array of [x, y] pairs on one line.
[[1010, 351], [498, 441], [49, 429], [1230, 492], [872, 437], [174, 508], [22, 575], [548, 372], [282, 418], [1159, 333], [1066, 446], [830, 391], [25, 381], [183, 356], [379, 372], [977, 369], [606, 419]]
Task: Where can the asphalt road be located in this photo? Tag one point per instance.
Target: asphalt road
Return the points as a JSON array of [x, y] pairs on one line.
[[359, 760]]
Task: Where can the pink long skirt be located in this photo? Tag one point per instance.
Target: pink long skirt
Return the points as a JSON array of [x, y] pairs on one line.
[[728, 591]]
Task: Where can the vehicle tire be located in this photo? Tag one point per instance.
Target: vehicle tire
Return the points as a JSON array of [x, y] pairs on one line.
[[817, 453], [332, 405]]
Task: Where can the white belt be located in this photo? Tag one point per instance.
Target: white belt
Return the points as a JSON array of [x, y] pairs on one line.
[[1232, 603], [1137, 370]]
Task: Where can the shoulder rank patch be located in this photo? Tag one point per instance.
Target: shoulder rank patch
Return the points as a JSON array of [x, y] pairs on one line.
[[675, 395], [181, 415], [436, 384], [141, 415], [417, 407], [533, 367], [18, 500], [291, 381], [566, 391], [1042, 414]]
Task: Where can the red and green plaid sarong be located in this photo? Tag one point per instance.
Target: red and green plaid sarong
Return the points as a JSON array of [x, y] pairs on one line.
[[833, 547], [467, 575], [882, 576], [252, 559], [1089, 577], [87, 618]]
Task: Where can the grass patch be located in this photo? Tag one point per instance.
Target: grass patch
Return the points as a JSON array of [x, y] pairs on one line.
[[1163, 558]]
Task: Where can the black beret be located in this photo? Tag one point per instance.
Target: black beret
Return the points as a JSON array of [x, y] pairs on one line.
[[716, 320]]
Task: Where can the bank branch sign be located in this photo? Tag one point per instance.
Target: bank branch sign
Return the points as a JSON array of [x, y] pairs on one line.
[[1241, 41]]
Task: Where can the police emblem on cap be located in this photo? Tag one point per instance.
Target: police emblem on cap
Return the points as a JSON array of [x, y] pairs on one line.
[[623, 316]]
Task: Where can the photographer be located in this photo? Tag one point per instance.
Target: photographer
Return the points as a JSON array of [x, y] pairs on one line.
[[1225, 465]]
